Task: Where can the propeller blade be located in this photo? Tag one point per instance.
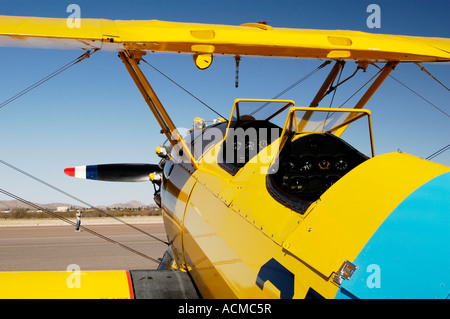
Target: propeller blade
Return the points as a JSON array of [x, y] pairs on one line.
[[114, 172]]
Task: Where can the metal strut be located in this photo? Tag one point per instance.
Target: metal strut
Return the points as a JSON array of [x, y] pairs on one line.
[[327, 83], [322, 92], [387, 69], [131, 59]]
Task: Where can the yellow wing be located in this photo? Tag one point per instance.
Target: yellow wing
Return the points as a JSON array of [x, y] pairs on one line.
[[66, 285], [248, 39], [100, 284]]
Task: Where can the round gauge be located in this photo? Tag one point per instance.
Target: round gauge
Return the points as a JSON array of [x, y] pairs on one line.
[[288, 164], [341, 163], [250, 145], [324, 163], [262, 144], [315, 185], [285, 182], [306, 164], [297, 184]]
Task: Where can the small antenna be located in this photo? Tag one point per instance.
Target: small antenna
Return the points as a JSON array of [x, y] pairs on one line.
[[237, 58]]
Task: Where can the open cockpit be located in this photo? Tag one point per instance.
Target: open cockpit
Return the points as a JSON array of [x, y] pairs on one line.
[[308, 158]]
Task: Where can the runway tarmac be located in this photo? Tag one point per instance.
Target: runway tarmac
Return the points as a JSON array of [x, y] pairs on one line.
[[47, 248]]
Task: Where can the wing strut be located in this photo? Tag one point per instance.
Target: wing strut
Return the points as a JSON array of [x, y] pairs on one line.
[[328, 82], [322, 92], [131, 59], [387, 69]]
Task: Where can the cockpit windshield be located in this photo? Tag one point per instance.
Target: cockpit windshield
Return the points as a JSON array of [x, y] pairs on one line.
[[274, 111], [306, 120], [299, 120], [313, 156]]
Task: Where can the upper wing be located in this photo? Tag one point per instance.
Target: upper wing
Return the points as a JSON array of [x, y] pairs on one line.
[[247, 39]]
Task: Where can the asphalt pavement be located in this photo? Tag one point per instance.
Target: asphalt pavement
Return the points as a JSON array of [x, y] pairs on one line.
[[55, 248]]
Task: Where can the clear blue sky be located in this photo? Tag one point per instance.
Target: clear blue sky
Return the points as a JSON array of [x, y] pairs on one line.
[[93, 113]]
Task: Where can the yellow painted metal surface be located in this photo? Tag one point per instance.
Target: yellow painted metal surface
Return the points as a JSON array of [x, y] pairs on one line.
[[232, 226], [351, 210], [224, 251], [231, 231], [65, 285], [176, 193], [249, 39]]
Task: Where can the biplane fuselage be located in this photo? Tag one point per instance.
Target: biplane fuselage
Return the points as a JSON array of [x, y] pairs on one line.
[[240, 235]]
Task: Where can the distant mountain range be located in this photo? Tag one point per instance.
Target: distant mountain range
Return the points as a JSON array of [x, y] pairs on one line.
[[15, 204]]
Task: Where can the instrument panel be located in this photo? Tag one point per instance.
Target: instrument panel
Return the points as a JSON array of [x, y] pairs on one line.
[[244, 141], [311, 164]]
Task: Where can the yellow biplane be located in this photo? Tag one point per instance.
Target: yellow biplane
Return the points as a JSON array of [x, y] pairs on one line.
[[271, 202]]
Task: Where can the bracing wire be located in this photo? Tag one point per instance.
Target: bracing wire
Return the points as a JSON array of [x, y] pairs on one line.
[[293, 85], [427, 72], [334, 89], [423, 98], [432, 104], [82, 227], [367, 82], [79, 200], [48, 77], [438, 152], [370, 80], [35, 85], [290, 87], [20, 94], [182, 88]]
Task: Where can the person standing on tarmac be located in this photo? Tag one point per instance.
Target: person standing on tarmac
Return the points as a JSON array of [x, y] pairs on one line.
[[78, 216]]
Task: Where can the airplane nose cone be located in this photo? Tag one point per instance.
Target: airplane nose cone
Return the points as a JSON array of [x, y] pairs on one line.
[[70, 171]]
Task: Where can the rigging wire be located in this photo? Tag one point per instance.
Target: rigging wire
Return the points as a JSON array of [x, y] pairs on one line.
[[433, 105], [82, 227], [423, 98], [439, 152], [367, 82], [85, 55], [334, 89], [185, 90], [370, 80], [290, 87], [427, 72], [79, 200], [20, 94], [301, 80]]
